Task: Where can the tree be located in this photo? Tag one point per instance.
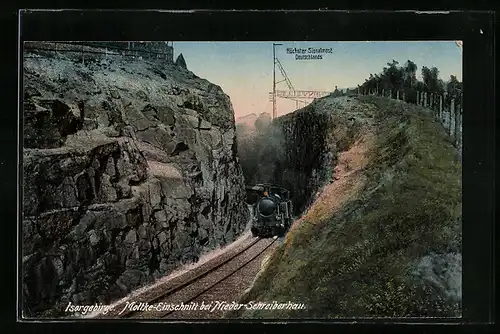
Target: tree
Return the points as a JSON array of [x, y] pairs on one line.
[[430, 78], [454, 87], [394, 75], [410, 74], [404, 77]]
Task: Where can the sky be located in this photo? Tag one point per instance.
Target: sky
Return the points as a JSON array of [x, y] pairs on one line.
[[244, 70]]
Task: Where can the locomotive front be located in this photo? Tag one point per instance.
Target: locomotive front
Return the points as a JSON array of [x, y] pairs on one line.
[[271, 214]]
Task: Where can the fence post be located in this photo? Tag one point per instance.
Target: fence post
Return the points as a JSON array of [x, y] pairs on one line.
[[457, 126], [431, 100], [397, 95], [460, 121], [404, 96], [452, 111], [390, 93], [383, 92], [440, 112], [418, 98]]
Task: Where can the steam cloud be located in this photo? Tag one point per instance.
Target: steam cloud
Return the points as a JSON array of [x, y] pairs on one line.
[[261, 150]]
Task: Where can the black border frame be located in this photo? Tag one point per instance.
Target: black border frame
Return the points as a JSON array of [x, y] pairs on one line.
[[474, 28]]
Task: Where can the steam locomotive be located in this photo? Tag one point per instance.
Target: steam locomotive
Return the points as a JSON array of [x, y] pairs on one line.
[[272, 210]]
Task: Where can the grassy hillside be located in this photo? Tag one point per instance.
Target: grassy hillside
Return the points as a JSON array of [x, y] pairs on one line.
[[363, 248]]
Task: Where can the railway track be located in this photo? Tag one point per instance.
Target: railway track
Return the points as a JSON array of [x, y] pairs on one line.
[[225, 277], [168, 290], [192, 289]]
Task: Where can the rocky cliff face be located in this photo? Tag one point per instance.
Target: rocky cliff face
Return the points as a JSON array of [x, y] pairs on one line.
[[312, 138], [130, 169], [298, 150], [303, 165]]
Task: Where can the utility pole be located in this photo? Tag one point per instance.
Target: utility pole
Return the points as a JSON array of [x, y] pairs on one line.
[[274, 80]]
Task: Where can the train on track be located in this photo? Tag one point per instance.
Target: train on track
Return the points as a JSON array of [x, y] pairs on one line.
[[272, 210]]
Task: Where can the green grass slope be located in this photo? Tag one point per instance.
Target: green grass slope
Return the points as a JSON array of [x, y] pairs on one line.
[[363, 257]]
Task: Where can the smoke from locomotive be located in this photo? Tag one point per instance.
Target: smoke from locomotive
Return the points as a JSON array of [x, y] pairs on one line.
[[272, 209]]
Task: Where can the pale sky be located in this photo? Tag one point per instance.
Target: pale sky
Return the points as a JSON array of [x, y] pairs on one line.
[[244, 70]]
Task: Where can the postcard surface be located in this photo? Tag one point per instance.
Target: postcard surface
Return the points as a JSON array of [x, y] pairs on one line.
[[241, 180]]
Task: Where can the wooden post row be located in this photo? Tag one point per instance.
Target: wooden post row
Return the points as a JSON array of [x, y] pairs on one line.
[[452, 111], [457, 125], [440, 112]]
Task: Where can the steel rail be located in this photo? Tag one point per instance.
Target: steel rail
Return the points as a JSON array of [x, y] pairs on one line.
[[222, 279], [181, 286]]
